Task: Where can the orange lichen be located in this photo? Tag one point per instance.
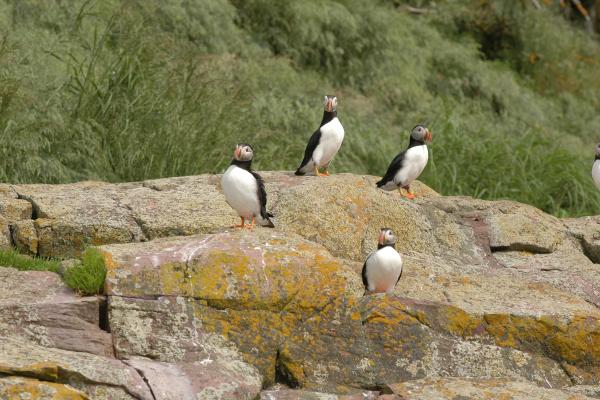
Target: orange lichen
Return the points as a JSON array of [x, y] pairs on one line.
[[18, 387]]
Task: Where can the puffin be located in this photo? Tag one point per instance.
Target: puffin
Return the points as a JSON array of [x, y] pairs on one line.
[[244, 189], [383, 268], [409, 164], [324, 144], [596, 167]]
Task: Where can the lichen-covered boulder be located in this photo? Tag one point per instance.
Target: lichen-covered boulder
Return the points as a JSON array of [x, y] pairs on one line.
[[98, 377], [478, 389], [67, 218], [39, 307], [490, 289], [209, 378], [587, 231], [15, 387], [296, 312], [298, 394]]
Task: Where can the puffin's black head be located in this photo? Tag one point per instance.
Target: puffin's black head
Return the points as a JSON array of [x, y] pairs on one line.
[[386, 237], [421, 133], [330, 103], [243, 152]]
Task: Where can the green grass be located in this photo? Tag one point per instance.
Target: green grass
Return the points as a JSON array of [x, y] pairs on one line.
[[11, 258], [87, 278], [131, 90]]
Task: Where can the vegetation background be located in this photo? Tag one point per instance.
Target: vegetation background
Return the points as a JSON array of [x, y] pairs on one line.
[[136, 89]]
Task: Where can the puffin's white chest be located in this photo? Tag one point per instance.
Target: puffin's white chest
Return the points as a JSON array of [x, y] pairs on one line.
[[332, 136], [596, 173], [241, 191], [415, 160], [383, 269]]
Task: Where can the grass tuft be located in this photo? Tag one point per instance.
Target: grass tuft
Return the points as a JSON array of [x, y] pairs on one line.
[[88, 278], [11, 258]]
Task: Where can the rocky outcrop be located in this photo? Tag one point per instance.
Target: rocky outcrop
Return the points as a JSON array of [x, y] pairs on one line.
[[297, 313], [495, 293], [470, 389], [38, 306]]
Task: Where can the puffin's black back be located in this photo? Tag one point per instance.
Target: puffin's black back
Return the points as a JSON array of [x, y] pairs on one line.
[[394, 167], [262, 198], [398, 162], [314, 140], [364, 275]]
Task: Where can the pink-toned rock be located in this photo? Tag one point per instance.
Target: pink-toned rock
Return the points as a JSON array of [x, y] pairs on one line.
[[101, 378], [298, 394], [210, 378], [38, 306]]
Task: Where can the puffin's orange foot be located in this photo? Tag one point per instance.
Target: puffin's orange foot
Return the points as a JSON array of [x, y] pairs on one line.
[[241, 225], [253, 224], [410, 195], [318, 173]]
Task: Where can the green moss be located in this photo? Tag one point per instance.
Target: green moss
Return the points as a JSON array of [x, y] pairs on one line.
[[87, 278], [11, 258]]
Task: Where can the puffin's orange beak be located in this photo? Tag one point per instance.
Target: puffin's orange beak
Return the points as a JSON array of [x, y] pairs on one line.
[[329, 106], [237, 153], [428, 136], [381, 237]]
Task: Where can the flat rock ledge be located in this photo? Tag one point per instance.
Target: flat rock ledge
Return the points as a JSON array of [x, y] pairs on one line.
[[497, 299]]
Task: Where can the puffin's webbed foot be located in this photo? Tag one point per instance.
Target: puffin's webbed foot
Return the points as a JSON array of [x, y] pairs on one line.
[[241, 225], [317, 173], [409, 195], [253, 224]]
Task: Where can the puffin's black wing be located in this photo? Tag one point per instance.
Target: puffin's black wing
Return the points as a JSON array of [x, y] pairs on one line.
[[262, 198], [394, 167], [399, 276], [364, 276], [313, 142]]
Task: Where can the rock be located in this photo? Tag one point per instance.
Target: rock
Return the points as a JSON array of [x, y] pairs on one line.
[[37, 306], [477, 389], [5, 238], [13, 209], [291, 394], [567, 270], [15, 387], [202, 379], [508, 225], [587, 231], [70, 217], [25, 237], [586, 390], [179, 206], [490, 289], [294, 310], [98, 377]]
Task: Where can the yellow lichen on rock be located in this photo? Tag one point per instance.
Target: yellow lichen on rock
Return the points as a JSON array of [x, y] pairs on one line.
[[20, 388]]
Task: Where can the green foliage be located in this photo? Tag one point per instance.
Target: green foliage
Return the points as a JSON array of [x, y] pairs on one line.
[[88, 277], [131, 90], [11, 258]]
